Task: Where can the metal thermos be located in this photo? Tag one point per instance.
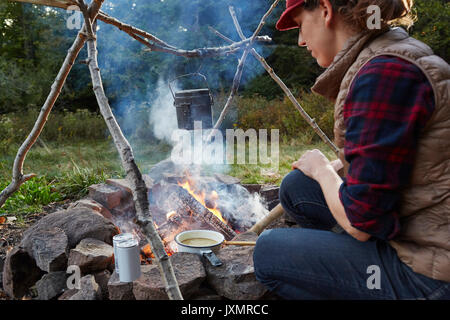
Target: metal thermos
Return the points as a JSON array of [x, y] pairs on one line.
[[126, 257]]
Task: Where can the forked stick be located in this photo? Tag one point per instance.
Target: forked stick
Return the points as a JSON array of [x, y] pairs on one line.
[[273, 215]]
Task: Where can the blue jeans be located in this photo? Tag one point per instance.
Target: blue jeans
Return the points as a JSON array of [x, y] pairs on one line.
[[315, 263]]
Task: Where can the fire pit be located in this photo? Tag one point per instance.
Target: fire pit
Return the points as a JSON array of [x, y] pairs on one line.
[[180, 199]]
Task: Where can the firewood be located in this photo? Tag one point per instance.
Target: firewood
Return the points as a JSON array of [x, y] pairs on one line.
[[182, 200]]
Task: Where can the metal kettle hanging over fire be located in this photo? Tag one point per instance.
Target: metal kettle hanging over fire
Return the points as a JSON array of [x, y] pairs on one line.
[[193, 105]]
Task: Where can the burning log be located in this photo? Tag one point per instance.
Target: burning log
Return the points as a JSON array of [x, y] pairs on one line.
[[184, 202]]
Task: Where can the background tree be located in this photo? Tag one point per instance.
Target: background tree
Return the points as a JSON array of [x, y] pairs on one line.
[[33, 41]]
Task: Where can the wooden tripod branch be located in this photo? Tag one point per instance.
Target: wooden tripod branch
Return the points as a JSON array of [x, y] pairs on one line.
[[278, 210], [18, 178], [134, 176], [283, 86], [155, 44], [131, 29], [240, 67]]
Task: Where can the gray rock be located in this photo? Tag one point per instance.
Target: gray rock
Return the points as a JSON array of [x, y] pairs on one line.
[[235, 279], [125, 184], [252, 188], [19, 273], [51, 285], [119, 290], [205, 293], [58, 231], [77, 224], [158, 170], [67, 294], [226, 179], [91, 255], [269, 192], [107, 195], [102, 279], [2, 263], [94, 205], [270, 195], [89, 289], [121, 183], [49, 248], [189, 272]]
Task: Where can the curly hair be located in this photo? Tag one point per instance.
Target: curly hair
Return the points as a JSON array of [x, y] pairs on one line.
[[354, 12]]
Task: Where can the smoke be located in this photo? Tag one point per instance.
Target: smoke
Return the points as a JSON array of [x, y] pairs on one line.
[[134, 77], [163, 117], [136, 81]]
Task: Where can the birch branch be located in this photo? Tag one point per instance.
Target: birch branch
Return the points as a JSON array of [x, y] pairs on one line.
[[155, 44], [18, 178], [240, 67], [134, 176], [131, 29], [285, 89]]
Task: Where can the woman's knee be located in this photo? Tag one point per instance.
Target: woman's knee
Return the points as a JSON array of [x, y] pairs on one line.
[[293, 183], [262, 246], [263, 257]]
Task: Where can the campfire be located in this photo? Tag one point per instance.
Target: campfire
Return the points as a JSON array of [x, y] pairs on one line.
[[180, 200], [187, 201]]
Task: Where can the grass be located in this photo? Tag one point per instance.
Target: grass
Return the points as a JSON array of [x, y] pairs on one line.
[[65, 171], [289, 152]]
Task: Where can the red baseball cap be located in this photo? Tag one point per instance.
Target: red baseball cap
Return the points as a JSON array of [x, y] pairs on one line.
[[285, 22]]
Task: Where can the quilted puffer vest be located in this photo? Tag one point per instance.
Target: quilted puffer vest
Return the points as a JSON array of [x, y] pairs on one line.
[[424, 239]]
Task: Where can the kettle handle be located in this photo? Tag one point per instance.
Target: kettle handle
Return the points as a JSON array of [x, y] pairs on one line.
[[187, 75]]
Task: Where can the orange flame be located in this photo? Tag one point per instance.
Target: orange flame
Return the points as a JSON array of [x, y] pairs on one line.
[[148, 254], [201, 198]]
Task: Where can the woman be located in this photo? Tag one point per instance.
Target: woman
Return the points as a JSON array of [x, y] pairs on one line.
[[392, 203]]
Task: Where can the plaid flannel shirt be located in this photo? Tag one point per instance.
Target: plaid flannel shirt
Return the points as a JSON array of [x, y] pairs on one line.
[[388, 104]]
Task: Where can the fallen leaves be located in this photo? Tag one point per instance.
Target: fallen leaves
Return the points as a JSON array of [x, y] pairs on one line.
[[6, 221]]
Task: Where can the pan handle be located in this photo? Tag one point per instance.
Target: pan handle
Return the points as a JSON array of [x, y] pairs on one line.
[[212, 258]]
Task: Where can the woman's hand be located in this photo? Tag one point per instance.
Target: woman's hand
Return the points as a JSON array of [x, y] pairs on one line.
[[337, 164], [312, 162]]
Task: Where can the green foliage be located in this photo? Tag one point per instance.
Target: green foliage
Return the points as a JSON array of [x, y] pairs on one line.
[[41, 191], [259, 113], [74, 184], [61, 126], [432, 26], [293, 65], [35, 39], [33, 44], [31, 196], [297, 68]]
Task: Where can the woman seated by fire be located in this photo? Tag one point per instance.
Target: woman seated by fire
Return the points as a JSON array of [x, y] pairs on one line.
[[380, 229]]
